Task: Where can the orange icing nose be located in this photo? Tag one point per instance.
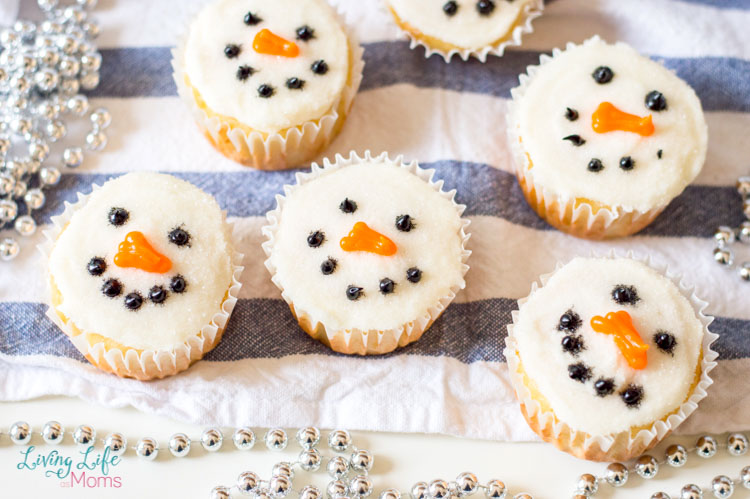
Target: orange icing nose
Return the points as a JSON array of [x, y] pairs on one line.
[[136, 252], [267, 42], [620, 325], [607, 118], [363, 238]]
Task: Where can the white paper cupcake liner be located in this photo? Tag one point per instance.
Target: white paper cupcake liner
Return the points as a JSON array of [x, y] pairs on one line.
[[288, 148], [530, 12], [356, 341], [148, 364], [624, 445]]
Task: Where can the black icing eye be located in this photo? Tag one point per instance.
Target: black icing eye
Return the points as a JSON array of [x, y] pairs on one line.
[[157, 294], [244, 72], [632, 395], [665, 341], [571, 114], [404, 223], [266, 91], [659, 153], [179, 236], [328, 266], [572, 344], [251, 19], [604, 387], [656, 101], [315, 239], [133, 301], [627, 163], [413, 275], [386, 286], [295, 83], [353, 292], [576, 140], [178, 284], [118, 216], [319, 67], [579, 372], [595, 165], [450, 8], [485, 7], [569, 321], [232, 51], [625, 295], [348, 206], [305, 33], [96, 266], [111, 288], [602, 75]]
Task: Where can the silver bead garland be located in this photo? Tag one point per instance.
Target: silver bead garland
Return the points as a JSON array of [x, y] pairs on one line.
[[725, 236]]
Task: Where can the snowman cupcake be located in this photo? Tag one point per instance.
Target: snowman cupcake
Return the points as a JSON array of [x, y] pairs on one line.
[[270, 83], [604, 138], [608, 356], [467, 28], [142, 275], [367, 252]]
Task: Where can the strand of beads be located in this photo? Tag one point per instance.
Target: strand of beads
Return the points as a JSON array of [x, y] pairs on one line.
[[725, 236], [647, 467], [43, 67], [466, 484]]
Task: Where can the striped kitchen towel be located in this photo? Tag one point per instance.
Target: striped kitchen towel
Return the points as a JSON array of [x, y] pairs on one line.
[[450, 117]]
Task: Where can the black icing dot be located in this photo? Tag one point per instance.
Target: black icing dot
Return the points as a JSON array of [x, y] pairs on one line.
[[602, 74], [96, 266], [295, 83], [157, 294], [133, 301], [404, 223], [328, 266], [576, 140], [178, 284], [665, 341], [595, 165], [179, 236], [627, 163], [571, 114], [244, 72], [450, 8], [625, 295], [604, 386], [632, 395], [266, 91], [251, 19], [305, 33], [232, 50], [315, 239], [386, 286], [112, 288], [353, 292], [656, 101], [579, 372], [569, 321], [348, 206], [413, 275], [485, 7], [659, 153], [118, 216], [572, 344], [319, 67]]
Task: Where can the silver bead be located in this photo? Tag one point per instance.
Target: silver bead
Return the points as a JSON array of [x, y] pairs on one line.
[[84, 436], [9, 38], [69, 87], [116, 443], [419, 491], [306, 437], [55, 130], [91, 62], [78, 105], [147, 448], [737, 444], [691, 491], [283, 469], [587, 484], [310, 459], [660, 495], [47, 5], [439, 489], [337, 467], [339, 440], [67, 43], [74, 14], [87, 4], [47, 110], [676, 455], [9, 249], [72, 157], [310, 492], [522, 495], [46, 80], [20, 433], [27, 63], [8, 210], [7, 184], [17, 103], [743, 233], [743, 186], [32, 166], [390, 494], [745, 477], [247, 482], [466, 483], [646, 466], [48, 56], [96, 140], [722, 486], [49, 175], [4, 145], [336, 489], [91, 29], [212, 439], [16, 168], [706, 446], [89, 81], [724, 235], [20, 84], [38, 151], [179, 445], [19, 190], [360, 486], [220, 492], [362, 460], [276, 439], [280, 486], [495, 489], [53, 433], [244, 438], [746, 207], [69, 67], [745, 271], [20, 126], [723, 256]]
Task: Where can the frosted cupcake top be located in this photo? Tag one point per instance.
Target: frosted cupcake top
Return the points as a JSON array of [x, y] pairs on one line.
[[601, 122], [271, 65], [468, 24], [146, 261], [610, 343], [368, 246]]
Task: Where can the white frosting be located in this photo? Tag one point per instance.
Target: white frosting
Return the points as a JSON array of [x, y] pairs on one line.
[[560, 167], [585, 286], [214, 75], [466, 28], [157, 204], [382, 191]]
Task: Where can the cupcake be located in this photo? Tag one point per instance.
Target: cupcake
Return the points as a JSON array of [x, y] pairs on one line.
[[270, 83], [467, 28], [142, 275], [604, 138], [367, 252], [608, 356]]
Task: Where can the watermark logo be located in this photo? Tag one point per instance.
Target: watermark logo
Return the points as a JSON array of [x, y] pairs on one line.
[[89, 469]]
